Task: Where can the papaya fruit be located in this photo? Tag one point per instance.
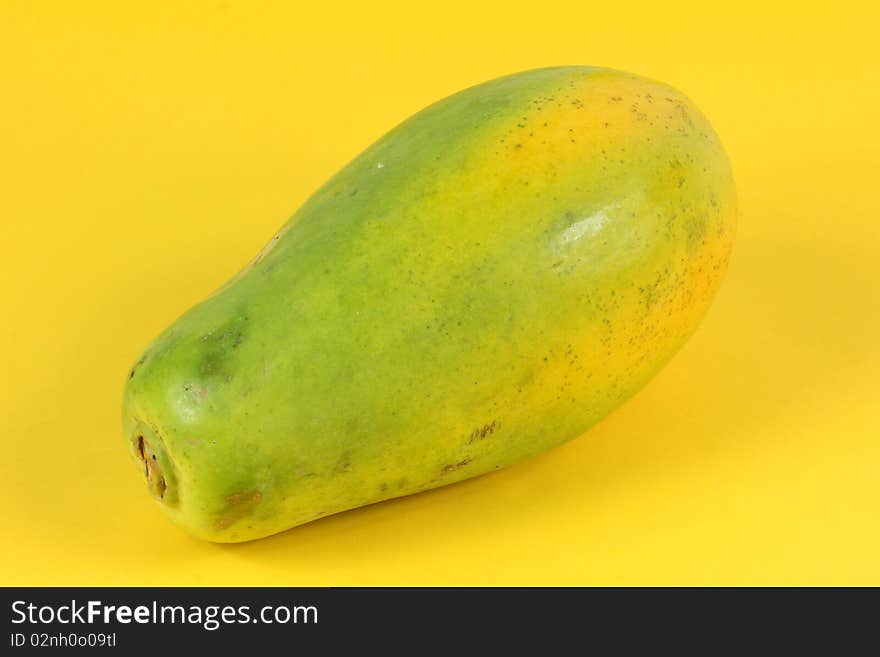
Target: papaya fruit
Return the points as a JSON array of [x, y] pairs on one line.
[[486, 281]]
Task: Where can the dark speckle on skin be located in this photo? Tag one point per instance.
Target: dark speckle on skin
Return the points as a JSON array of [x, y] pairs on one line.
[[452, 467], [211, 364], [136, 365], [238, 506], [230, 333], [219, 342], [482, 432], [343, 464]]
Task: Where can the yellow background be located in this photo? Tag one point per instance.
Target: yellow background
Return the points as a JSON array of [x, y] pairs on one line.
[[148, 150]]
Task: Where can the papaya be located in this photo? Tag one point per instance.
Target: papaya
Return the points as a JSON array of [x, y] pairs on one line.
[[485, 282]]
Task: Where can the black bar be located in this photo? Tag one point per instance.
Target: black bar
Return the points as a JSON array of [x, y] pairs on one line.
[[453, 620]]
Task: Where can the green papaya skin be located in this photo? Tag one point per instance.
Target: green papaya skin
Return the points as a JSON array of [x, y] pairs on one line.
[[485, 282]]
